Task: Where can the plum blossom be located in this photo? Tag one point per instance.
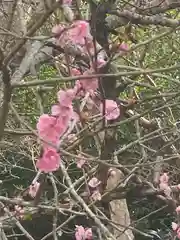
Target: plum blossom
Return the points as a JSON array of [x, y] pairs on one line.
[[176, 228], [33, 189], [65, 98], [75, 72], [163, 185], [178, 209], [164, 178], [80, 161], [89, 85], [94, 182], [49, 162], [19, 211], [83, 233], [94, 189], [49, 128], [112, 111], [123, 47], [79, 32], [64, 115], [75, 34], [96, 195], [178, 233]]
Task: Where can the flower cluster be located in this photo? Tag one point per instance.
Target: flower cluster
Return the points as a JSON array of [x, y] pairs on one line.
[[52, 127], [93, 185], [176, 228], [83, 233]]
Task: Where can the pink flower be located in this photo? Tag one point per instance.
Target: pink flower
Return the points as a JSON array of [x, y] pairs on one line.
[[75, 34], [178, 209], [50, 161], [123, 47], [64, 116], [80, 161], [48, 128], [82, 233], [79, 32], [174, 226], [19, 211], [75, 72], [164, 178], [163, 185], [112, 111], [96, 196], [90, 84], [94, 182], [178, 233], [65, 98], [33, 189], [88, 234], [101, 62]]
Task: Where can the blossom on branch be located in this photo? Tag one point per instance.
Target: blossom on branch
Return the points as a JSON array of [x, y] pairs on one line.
[[33, 189], [83, 233], [112, 111], [50, 161]]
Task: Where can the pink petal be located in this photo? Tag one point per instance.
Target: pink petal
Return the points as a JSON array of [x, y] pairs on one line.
[[79, 31], [178, 233], [75, 72], [174, 226], [123, 47], [112, 111], [49, 162], [101, 63], [88, 234], [164, 178], [80, 232], [178, 209], [55, 110], [94, 182], [48, 128], [80, 162], [65, 97], [33, 189], [96, 196], [90, 84], [45, 122]]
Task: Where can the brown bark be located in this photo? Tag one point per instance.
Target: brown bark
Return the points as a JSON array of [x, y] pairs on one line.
[[118, 209]]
